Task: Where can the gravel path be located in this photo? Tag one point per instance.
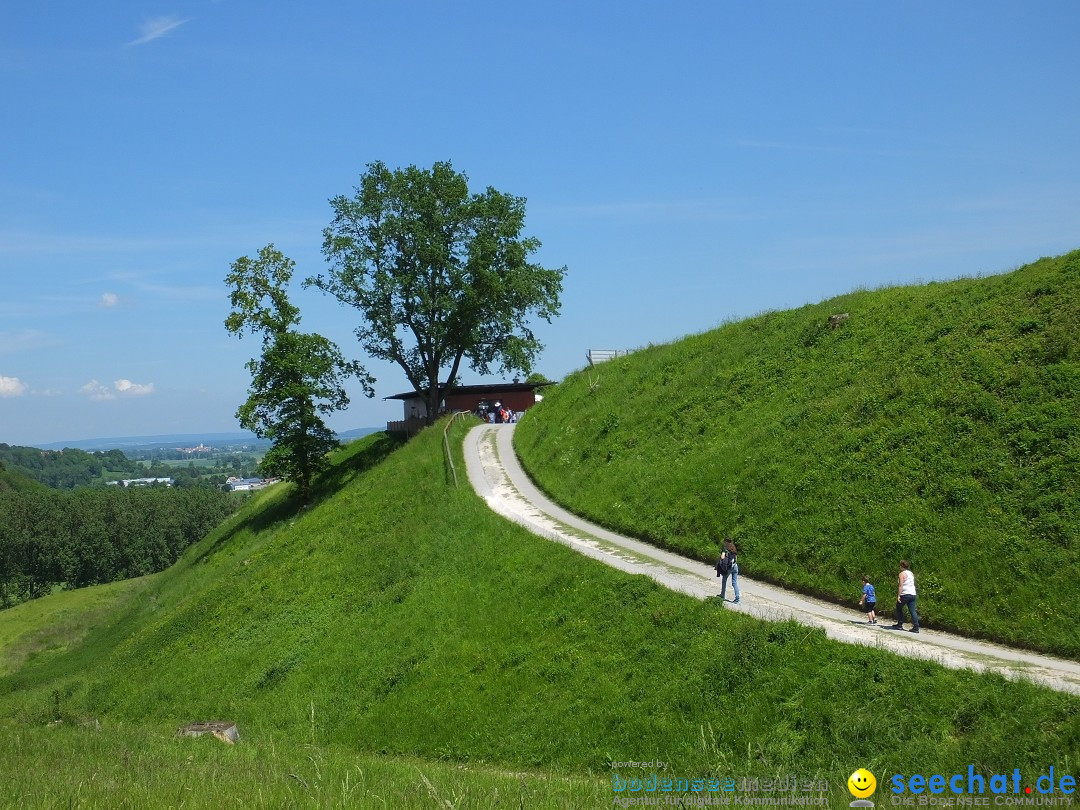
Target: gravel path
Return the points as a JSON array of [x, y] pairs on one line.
[[498, 478]]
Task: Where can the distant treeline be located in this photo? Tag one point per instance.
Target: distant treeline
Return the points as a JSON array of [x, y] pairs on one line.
[[70, 468], [65, 469], [89, 536]]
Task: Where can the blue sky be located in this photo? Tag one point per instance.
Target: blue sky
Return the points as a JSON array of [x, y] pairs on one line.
[[689, 163]]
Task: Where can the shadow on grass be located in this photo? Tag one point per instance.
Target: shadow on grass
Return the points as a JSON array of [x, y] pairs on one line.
[[338, 475], [331, 481]]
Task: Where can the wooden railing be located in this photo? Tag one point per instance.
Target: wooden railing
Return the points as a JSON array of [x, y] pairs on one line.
[[411, 427], [446, 442]]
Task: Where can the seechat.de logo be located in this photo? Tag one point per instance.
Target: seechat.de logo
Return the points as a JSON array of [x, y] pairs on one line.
[[862, 784]]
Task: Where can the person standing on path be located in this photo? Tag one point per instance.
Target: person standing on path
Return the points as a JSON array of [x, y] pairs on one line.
[[732, 555], [869, 601], [905, 595]]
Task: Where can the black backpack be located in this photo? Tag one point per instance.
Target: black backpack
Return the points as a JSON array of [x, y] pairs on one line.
[[723, 565]]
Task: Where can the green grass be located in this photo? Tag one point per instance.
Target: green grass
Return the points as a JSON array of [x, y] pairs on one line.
[[129, 767], [399, 620], [938, 423], [60, 622]]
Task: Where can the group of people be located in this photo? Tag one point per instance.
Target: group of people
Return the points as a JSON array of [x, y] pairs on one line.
[[905, 598], [496, 413], [727, 566]]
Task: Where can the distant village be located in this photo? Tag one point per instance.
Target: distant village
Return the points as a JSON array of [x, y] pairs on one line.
[[233, 483], [247, 484]]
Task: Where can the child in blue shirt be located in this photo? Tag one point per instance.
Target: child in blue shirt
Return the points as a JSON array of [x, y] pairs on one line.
[[869, 601]]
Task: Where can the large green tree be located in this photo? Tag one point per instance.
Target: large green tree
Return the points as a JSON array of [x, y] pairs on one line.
[[440, 275], [299, 377]]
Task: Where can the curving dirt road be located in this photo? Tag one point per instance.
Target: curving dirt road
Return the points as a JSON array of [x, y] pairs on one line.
[[498, 478]]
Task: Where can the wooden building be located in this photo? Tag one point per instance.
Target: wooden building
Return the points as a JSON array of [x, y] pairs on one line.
[[516, 397]]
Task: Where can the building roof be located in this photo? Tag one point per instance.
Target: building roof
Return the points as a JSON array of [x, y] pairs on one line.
[[493, 389]]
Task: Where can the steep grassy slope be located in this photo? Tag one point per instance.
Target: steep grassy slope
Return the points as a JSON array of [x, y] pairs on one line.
[[938, 423], [399, 616]]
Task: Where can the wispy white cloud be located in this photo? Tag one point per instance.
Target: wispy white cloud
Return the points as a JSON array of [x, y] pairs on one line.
[[156, 28], [11, 387], [20, 242], [23, 243], [25, 339], [99, 392], [96, 391], [649, 210], [109, 300], [911, 255], [130, 389], [177, 293], [836, 149]]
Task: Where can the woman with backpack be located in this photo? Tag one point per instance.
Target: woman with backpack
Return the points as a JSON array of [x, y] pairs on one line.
[[728, 566]]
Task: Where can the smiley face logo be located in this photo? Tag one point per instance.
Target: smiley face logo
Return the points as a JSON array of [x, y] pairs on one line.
[[861, 783]]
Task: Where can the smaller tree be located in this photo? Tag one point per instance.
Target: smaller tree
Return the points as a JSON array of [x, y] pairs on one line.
[[298, 379]]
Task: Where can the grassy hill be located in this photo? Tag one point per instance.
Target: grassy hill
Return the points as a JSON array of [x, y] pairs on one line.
[[938, 423], [398, 644]]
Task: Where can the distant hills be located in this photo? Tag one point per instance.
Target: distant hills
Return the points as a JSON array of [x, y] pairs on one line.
[[129, 443]]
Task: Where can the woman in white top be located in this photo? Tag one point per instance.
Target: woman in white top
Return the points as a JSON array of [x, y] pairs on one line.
[[905, 595]]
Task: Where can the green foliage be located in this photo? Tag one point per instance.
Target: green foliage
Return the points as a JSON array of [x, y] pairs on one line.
[[400, 618], [298, 379], [71, 467], [51, 626], [130, 767], [14, 481], [438, 275], [940, 424], [52, 538], [64, 469]]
